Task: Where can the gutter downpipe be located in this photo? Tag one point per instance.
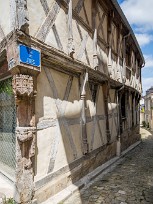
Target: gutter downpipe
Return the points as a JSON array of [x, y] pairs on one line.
[[118, 149]]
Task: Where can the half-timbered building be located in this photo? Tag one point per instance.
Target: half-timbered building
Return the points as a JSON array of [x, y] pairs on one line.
[[70, 84]]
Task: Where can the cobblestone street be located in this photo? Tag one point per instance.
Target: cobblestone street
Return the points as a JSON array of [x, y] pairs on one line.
[[130, 182]]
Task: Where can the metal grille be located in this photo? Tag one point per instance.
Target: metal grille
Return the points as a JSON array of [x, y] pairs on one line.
[[7, 126]]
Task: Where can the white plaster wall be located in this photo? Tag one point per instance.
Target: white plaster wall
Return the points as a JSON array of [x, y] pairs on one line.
[[93, 133], [56, 141], [36, 16], [5, 17], [62, 29]]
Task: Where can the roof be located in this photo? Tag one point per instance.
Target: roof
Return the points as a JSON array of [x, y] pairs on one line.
[[125, 21], [149, 91]]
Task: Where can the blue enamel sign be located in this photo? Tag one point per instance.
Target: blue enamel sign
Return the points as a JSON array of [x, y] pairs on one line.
[[29, 56]]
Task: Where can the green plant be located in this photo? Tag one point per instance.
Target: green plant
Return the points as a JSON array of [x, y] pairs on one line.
[[6, 86], [10, 201], [144, 123]]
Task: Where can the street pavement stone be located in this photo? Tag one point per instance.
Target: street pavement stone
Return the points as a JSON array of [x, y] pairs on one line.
[[130, 182]]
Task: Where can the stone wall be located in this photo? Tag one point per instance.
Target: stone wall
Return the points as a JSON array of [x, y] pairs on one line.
[[130, 137]]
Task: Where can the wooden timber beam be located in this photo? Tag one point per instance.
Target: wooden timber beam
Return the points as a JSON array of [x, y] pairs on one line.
[[85, 145], [94, 27], [105, 89], [71, 48]]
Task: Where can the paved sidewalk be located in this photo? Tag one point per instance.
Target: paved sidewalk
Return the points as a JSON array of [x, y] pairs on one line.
[[131, 182]]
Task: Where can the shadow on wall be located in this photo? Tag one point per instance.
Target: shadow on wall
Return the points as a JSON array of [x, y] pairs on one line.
[[60, 159]]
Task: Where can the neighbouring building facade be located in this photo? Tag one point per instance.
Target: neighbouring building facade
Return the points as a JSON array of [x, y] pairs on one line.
[[148, 107], [70, 85], [142, 112]]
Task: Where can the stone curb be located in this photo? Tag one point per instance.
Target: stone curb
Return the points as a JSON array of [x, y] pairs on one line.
[[67, 192]]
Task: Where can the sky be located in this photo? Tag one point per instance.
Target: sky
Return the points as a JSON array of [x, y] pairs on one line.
[[140, 16]]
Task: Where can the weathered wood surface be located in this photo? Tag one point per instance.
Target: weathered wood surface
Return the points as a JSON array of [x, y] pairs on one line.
[[2, 35], [82, 47], [71, 48], [68, 88], [45, 6], [22, 15], [49, 21], [79, 6], [13, 14]]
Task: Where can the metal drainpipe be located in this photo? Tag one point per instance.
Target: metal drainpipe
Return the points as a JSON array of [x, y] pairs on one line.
[[118, 150]]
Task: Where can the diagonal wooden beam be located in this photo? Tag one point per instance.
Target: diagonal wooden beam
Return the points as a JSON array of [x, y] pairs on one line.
[[49, 21], [101, 134], [85, 12], [101, 19], [98, 124], [58, 41], [68, 88], [80, 33], [82, 47], [2, 35], [45, 6], [51, 82], [46, 10], [61, 122], [79, 6], [95, 119]]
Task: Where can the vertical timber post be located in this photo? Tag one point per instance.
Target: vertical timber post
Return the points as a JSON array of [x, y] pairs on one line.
[[83, 115], [71, 48], [24, 90], [105, 89], [109, 39], [118, 148], [94, 27]]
